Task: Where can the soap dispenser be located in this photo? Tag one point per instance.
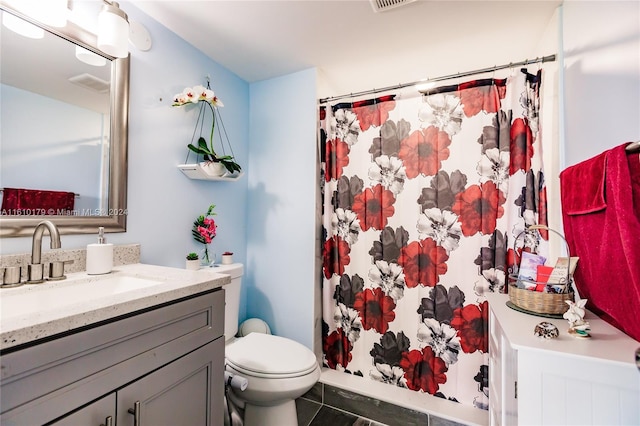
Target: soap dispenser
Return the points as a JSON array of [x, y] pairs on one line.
[[99, 256]]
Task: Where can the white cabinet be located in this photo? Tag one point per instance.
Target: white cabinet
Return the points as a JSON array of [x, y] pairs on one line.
[[561, 381], [165, 364]]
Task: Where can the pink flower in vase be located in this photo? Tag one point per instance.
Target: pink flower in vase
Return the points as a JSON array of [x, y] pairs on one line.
[[204, 230]]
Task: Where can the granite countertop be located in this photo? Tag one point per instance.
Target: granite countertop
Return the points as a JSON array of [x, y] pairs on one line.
[[35, 311]]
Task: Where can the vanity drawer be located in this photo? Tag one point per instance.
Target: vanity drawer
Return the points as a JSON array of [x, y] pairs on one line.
[[92, 362]]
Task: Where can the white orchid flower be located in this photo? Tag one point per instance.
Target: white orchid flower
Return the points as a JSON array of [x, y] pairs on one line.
[[199, 92], [196, 94]]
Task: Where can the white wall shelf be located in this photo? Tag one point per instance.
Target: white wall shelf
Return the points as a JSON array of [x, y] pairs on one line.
[[195, 171]]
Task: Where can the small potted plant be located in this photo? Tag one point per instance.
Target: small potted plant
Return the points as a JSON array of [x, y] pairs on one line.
[[227, 258], [193, 261]]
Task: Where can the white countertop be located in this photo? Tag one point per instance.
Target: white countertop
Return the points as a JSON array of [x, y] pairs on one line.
[[31, 312], [607, 343]]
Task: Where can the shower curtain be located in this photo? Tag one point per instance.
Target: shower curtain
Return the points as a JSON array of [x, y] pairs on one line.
[[422, 198]]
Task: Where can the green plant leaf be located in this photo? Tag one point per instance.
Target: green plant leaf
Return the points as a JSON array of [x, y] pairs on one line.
[[208, 156], [202, 143], [229, 164], [198, 150], [197, 236]]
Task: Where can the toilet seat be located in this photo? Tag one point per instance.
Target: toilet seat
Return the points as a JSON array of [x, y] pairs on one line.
[[268, 356]]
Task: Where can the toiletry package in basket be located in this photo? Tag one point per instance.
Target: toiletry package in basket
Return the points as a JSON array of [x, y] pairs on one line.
[[537, 288]]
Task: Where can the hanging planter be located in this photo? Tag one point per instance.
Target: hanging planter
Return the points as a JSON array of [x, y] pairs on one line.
[[213, 164]]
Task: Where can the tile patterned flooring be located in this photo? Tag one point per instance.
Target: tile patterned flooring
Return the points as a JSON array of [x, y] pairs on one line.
[[326, 405]]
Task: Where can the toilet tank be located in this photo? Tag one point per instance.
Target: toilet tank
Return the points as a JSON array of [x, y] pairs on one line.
[[232, 297]]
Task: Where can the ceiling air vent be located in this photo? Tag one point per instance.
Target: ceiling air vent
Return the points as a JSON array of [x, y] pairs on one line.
[[91, 82], [383, 5]]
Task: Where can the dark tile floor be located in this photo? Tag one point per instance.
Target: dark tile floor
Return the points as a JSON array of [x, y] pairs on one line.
[[326, 405]]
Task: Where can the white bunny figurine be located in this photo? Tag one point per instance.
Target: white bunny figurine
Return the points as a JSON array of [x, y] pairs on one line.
[[575, 316]]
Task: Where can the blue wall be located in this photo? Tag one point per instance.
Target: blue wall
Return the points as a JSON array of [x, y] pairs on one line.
[[281, 204], [162, 201]]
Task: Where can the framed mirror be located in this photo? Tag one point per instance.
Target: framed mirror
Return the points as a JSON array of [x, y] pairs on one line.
[[64, 131]]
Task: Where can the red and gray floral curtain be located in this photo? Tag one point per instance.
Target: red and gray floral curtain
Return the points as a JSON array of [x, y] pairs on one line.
[[422, 198]]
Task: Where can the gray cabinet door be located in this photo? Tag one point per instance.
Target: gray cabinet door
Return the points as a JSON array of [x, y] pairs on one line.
[[94, 414], [186, 392]]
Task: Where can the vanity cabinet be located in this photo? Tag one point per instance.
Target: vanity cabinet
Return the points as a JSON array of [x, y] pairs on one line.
[[566, 380], [163, 365]]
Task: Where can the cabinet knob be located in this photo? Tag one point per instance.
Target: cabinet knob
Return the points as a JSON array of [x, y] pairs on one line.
[[107, 421], [135, 411]]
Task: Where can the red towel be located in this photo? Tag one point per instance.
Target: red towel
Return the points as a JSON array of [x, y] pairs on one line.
[[34, 202], [602, 227], [583, 186]]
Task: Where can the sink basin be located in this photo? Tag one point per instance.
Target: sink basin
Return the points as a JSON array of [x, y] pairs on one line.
[[30, 300]]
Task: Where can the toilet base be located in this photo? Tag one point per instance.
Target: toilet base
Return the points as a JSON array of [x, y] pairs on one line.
[[283, 414]]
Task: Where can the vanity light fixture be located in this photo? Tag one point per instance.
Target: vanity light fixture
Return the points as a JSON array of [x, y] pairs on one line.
[[113, 30], [90, 58]]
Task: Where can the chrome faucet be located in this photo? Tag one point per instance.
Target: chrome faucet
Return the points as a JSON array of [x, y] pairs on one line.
[[35, 268]]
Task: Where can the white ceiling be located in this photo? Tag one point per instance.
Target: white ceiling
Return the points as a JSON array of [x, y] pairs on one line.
[[353, 47], [262, 39]]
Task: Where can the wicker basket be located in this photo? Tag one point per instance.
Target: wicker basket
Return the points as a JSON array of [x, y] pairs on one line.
[[536, 302]]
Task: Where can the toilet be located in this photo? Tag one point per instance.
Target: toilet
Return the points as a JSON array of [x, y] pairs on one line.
[[278, 370]]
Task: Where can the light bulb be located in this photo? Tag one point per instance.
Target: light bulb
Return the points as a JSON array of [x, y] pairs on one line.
[[113, 31], [90, 58], [20, 26]]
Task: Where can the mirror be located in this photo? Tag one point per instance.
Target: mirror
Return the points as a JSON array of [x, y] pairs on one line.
[[62, 136]]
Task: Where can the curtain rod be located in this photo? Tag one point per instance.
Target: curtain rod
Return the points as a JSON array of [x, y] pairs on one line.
[[549, 58]]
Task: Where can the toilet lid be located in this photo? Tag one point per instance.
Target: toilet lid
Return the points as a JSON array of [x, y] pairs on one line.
[[267, 354]]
